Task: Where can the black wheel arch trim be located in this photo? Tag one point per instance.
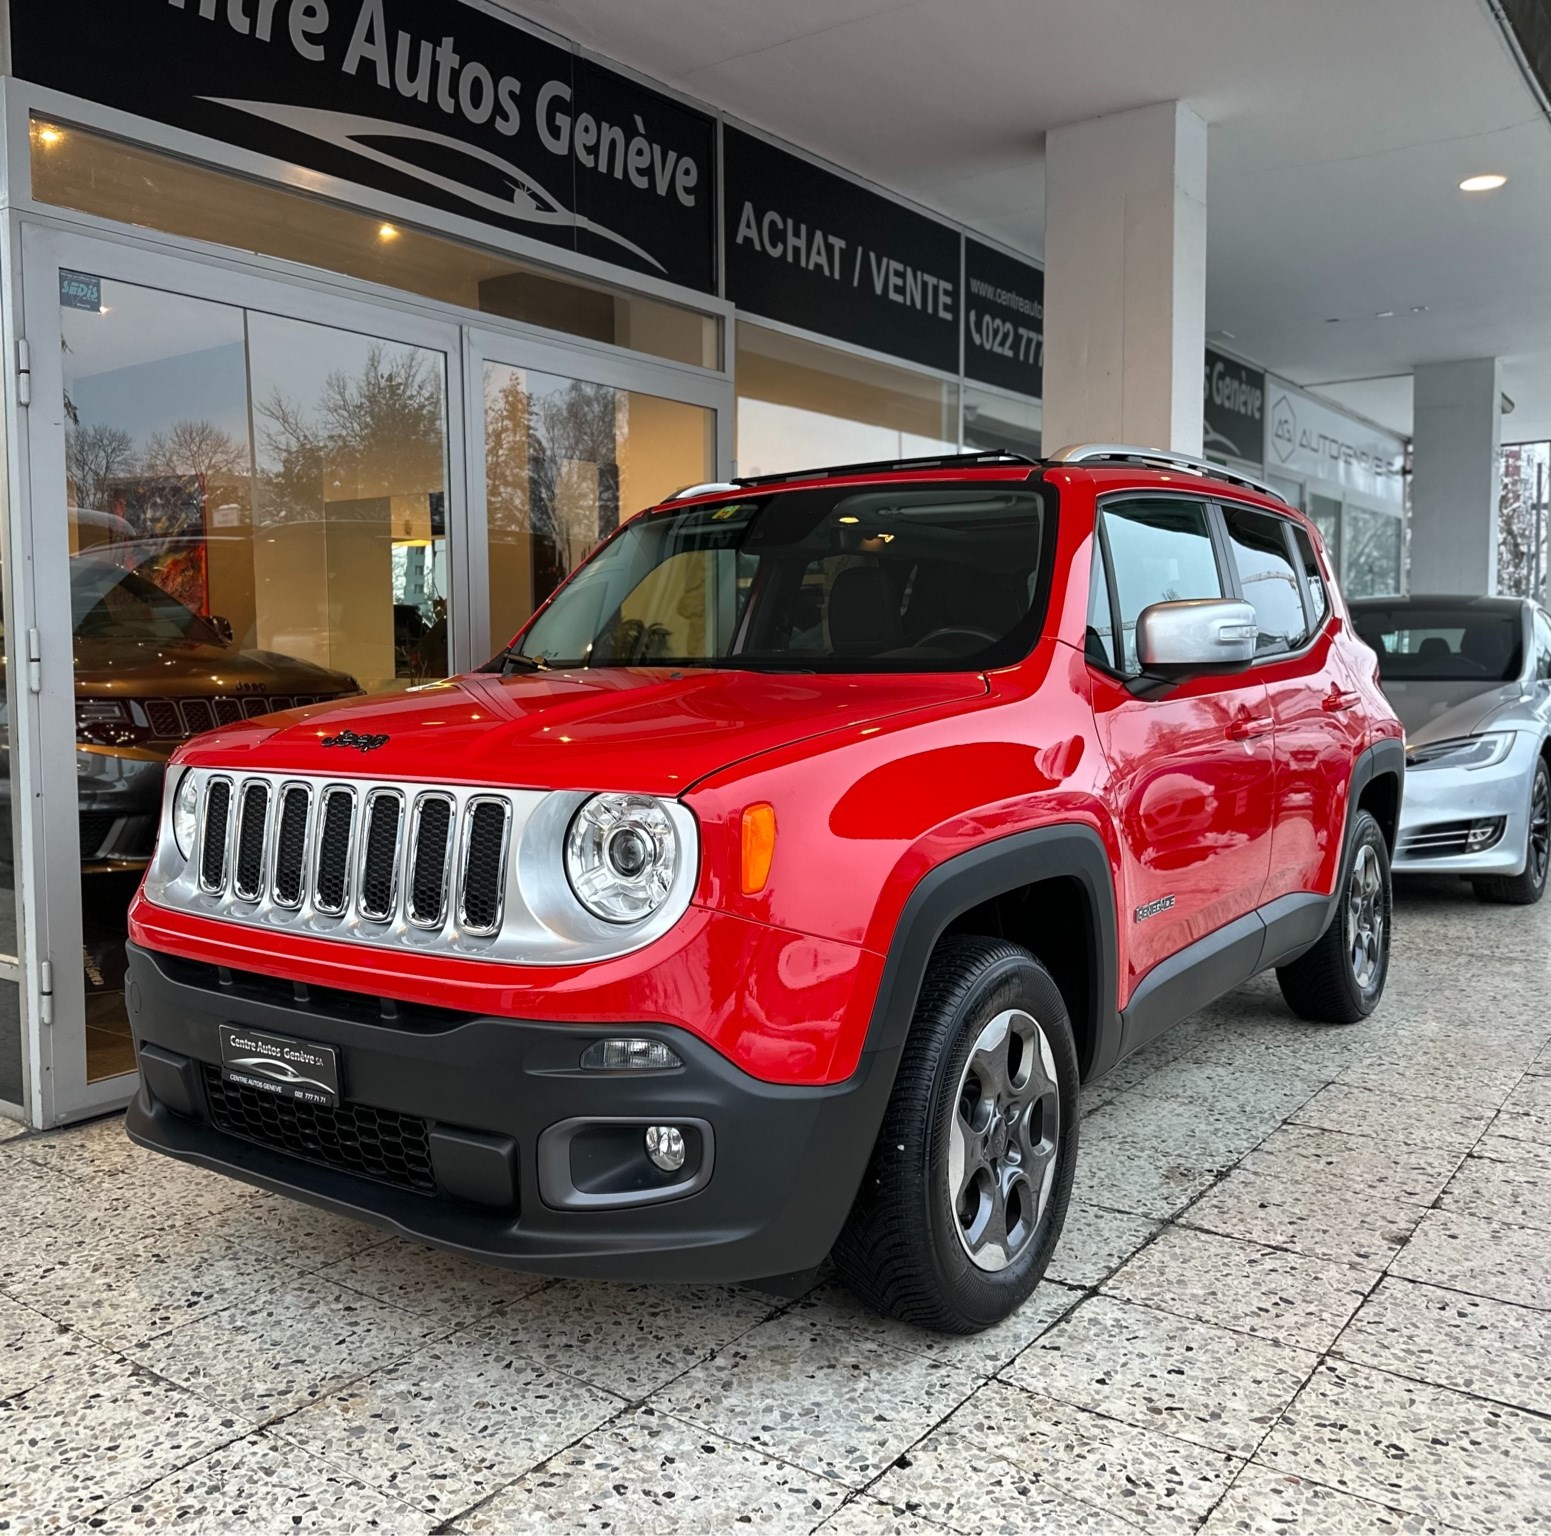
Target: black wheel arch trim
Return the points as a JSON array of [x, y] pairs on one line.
[[968, 880]]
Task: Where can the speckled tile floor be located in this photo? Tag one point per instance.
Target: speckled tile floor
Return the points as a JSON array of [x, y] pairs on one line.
[[1303, 1288]]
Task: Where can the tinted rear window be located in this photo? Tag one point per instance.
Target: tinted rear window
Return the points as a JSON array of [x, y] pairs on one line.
[[1444, 643]]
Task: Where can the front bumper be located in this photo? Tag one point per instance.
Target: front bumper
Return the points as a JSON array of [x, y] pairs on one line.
[[782, 1163], [1441, 801]]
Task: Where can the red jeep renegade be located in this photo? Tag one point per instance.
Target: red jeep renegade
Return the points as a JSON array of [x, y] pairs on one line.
[[774, 891]]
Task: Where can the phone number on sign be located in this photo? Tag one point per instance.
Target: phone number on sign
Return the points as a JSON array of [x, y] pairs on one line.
[[1006, 339]]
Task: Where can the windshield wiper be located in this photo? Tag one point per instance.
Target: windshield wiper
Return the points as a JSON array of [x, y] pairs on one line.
[[511, 658]]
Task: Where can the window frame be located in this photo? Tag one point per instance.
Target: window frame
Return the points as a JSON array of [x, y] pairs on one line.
[[1216, 508], [1215, 532]]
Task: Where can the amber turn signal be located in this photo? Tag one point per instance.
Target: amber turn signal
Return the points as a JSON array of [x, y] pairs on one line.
[[758, 847]]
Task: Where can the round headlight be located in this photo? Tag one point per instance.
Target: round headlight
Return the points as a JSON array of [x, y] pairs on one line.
[[621, 855], [185, 815]]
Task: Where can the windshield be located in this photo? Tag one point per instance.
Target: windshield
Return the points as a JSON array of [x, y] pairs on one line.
[[109, 603], [1444, 642], [908, 578]]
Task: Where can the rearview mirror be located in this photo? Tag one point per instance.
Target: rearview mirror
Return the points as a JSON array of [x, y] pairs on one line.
[[1198, 635]]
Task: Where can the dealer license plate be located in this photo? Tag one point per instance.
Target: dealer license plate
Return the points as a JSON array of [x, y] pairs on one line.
[[290, 1069]]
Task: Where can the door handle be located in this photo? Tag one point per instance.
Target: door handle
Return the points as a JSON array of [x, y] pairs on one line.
[[1251, 726], [1335, 701]]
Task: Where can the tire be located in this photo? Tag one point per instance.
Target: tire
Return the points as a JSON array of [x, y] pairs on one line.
[[1341, 979], [1526, 888], [988, 1015]]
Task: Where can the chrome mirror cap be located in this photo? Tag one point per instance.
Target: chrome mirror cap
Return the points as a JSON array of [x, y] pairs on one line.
[[1199, 634]]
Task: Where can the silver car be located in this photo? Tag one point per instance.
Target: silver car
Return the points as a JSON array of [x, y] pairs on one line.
[[1470, 678]]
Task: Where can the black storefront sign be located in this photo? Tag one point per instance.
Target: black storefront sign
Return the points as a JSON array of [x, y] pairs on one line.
[[1234, 409], [815, 250], [1004, 320], [430, 100]]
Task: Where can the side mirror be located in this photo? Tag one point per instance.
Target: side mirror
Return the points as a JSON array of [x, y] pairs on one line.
[[1200, 635], [221, 625]]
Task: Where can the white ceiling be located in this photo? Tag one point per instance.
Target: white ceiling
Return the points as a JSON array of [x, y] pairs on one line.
[[1340, 132]]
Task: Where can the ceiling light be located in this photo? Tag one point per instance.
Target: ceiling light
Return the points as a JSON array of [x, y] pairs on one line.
[[387, 232], [50, 135], [1487, 183]]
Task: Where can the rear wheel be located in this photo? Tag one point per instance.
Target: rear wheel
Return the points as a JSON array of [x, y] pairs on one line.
[[1341, 979], [966, 1193], [1524, 890]]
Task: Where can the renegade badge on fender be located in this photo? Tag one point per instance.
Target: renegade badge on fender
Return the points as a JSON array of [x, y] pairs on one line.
[[773, 892]]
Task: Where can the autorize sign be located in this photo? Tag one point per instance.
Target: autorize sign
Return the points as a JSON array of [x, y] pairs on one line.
[[430, 100]]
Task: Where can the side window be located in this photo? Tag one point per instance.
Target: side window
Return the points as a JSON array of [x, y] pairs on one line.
[[1269, 582], [1313, 575], [1542, 646], [1161, 552], [1099, 643]]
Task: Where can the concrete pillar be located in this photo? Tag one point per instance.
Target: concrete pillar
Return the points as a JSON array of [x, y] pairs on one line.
[[1125, 279], [1456, 476]]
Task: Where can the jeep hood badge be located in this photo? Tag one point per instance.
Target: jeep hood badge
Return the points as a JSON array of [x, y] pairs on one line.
[[351, 739]]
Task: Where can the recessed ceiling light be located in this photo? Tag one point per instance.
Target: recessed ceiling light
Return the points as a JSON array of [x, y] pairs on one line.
[[1488, 183]]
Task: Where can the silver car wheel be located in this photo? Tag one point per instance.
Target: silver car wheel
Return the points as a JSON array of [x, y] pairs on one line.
[[1004, 1139], [1365, 917]]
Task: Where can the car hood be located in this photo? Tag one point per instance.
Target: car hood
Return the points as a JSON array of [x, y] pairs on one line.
[[141, 669], [1440, 711], [650, 731]]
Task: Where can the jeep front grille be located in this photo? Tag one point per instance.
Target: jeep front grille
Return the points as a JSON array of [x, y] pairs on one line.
[[361, 861], [469, 871], [178, 719]]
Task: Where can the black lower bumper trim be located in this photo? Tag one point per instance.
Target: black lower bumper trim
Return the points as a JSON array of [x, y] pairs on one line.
[[787, 1162]]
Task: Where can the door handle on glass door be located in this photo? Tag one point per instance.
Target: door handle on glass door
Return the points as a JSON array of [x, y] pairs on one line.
[[1248, 727]]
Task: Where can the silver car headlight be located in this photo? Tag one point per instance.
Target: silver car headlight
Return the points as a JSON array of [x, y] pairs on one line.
[[621, 856], [1462, 752], [185, 814]]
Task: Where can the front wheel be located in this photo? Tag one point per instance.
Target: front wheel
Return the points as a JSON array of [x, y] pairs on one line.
[[1525, 889], [1341, 979], [966, 1192]]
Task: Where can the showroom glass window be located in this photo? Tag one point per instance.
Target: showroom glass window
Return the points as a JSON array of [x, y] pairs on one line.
[[801, 404], [1161, 552], [1313, 576]]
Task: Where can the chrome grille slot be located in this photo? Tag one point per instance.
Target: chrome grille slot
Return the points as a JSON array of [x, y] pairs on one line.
[[198, 715], [214, 837], [430, 857], [291, 846], [481, 882], [379, 882], [252, 707], [252, 826], [228, 711], [331, 884], [165, 721]]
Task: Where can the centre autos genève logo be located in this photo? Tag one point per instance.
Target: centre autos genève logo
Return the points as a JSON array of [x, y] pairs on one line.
[[416, 70]]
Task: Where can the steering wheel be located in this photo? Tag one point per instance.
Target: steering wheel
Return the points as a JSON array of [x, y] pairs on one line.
[[985, 637]]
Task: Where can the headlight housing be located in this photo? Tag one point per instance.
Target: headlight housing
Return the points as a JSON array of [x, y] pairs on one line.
[[185, 814], [1462, 752], [621, 856]]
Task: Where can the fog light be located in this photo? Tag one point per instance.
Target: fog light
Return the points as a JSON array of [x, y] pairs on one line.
[[665, 1147], [627, 1055], [1483, 834]]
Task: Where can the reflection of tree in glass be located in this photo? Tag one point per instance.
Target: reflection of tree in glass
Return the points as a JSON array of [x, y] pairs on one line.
[[1522, 528], [375, 434], [552, 467], [1372, 553], [96, 457], [198, 448]]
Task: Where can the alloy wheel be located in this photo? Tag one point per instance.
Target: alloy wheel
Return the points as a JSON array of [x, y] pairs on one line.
[[1003, 1140], [1540, 828], [1365, 917]]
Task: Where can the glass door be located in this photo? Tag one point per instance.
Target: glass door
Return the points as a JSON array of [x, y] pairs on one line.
[[568, 444], [244, 499]]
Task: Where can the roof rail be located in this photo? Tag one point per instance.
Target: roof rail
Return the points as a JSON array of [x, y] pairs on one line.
[[882, 466], [704, 488], [1159, 458]]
